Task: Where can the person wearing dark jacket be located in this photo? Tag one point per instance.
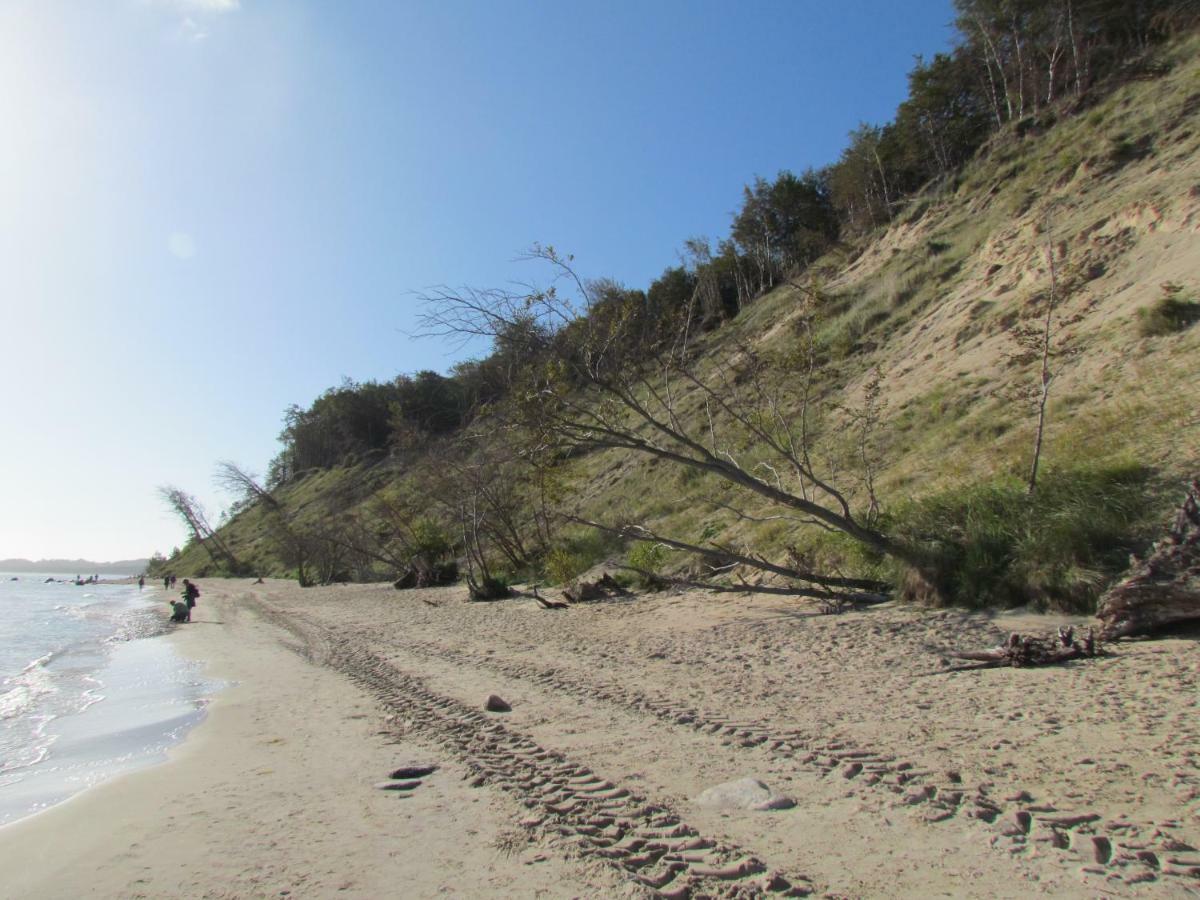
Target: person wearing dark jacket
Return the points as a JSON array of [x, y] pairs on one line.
[[190, 594]]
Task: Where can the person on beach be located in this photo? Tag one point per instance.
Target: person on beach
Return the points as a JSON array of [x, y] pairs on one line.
[[190, 594], [166, 582], [179, 611], [141, 582]]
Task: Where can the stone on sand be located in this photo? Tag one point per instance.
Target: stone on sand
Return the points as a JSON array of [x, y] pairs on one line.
[[414, 770], [745, 793], [398, 785], [496, 703]]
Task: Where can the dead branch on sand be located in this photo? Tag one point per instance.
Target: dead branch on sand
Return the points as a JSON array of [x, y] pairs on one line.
[[1020, 651], [546, 603]]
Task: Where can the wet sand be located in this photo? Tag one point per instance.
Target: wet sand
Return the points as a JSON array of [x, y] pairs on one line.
[[274, 793]]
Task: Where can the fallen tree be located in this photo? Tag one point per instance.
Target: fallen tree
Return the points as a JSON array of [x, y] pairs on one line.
[[546, 603], [835, 589], [1164, 588], [291, 546], [585, 377], [189, 510]]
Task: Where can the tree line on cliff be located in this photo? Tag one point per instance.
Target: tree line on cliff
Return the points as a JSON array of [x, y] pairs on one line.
[[1018, 63]]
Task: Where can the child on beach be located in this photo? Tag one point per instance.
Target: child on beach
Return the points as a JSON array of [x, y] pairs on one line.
[[190, 594]]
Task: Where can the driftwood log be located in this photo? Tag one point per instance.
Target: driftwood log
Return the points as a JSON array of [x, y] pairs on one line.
[[601, 589], [1021, 650], [546, 603], [1163, 589]]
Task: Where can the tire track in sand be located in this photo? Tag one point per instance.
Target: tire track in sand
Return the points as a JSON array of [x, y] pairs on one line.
[[568, 803], [1134, 852]]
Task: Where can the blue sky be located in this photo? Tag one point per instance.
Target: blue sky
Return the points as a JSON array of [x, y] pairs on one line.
[[212, 209]]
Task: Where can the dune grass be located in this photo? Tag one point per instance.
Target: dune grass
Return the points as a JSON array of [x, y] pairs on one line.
[[994, 544]]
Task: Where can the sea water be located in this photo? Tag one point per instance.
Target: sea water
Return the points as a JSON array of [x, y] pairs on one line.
[[88, 687]]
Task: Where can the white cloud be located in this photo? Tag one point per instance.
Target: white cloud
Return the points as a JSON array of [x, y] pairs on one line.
[[189, 30], [193, 14], [188, 8], [204, 6], [181, 245]]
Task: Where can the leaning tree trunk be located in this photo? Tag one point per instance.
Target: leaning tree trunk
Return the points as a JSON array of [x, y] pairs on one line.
[[1164, 588]]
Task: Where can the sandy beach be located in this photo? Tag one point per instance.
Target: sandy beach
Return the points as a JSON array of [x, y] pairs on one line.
[[910, 779]]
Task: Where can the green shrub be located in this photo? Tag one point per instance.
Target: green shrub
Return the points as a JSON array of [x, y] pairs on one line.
[[994, 545], [648, 558], [561, 565], [576, 553], [625, 579], [429, 537], [842, 336], [1122, 150], [839, 341], [1068, 160], [1172, 312]]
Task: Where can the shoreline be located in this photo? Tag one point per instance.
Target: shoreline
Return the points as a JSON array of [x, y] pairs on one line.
[[1067, 781], [88, 693], [71, 825], [272, 792]]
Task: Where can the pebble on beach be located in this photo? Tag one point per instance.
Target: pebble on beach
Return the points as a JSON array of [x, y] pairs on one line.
[[414, 770], [745, 793], [496, 703]]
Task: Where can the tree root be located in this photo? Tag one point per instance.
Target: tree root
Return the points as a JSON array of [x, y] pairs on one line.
[[1163, 589]]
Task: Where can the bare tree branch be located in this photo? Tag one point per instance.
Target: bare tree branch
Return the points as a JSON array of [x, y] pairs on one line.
[[586, 383], [188, 509]]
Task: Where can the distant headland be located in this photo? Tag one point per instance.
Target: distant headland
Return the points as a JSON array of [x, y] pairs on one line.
[[120, 567]]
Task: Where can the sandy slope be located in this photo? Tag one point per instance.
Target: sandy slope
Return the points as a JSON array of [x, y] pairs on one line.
[[911, 780]]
